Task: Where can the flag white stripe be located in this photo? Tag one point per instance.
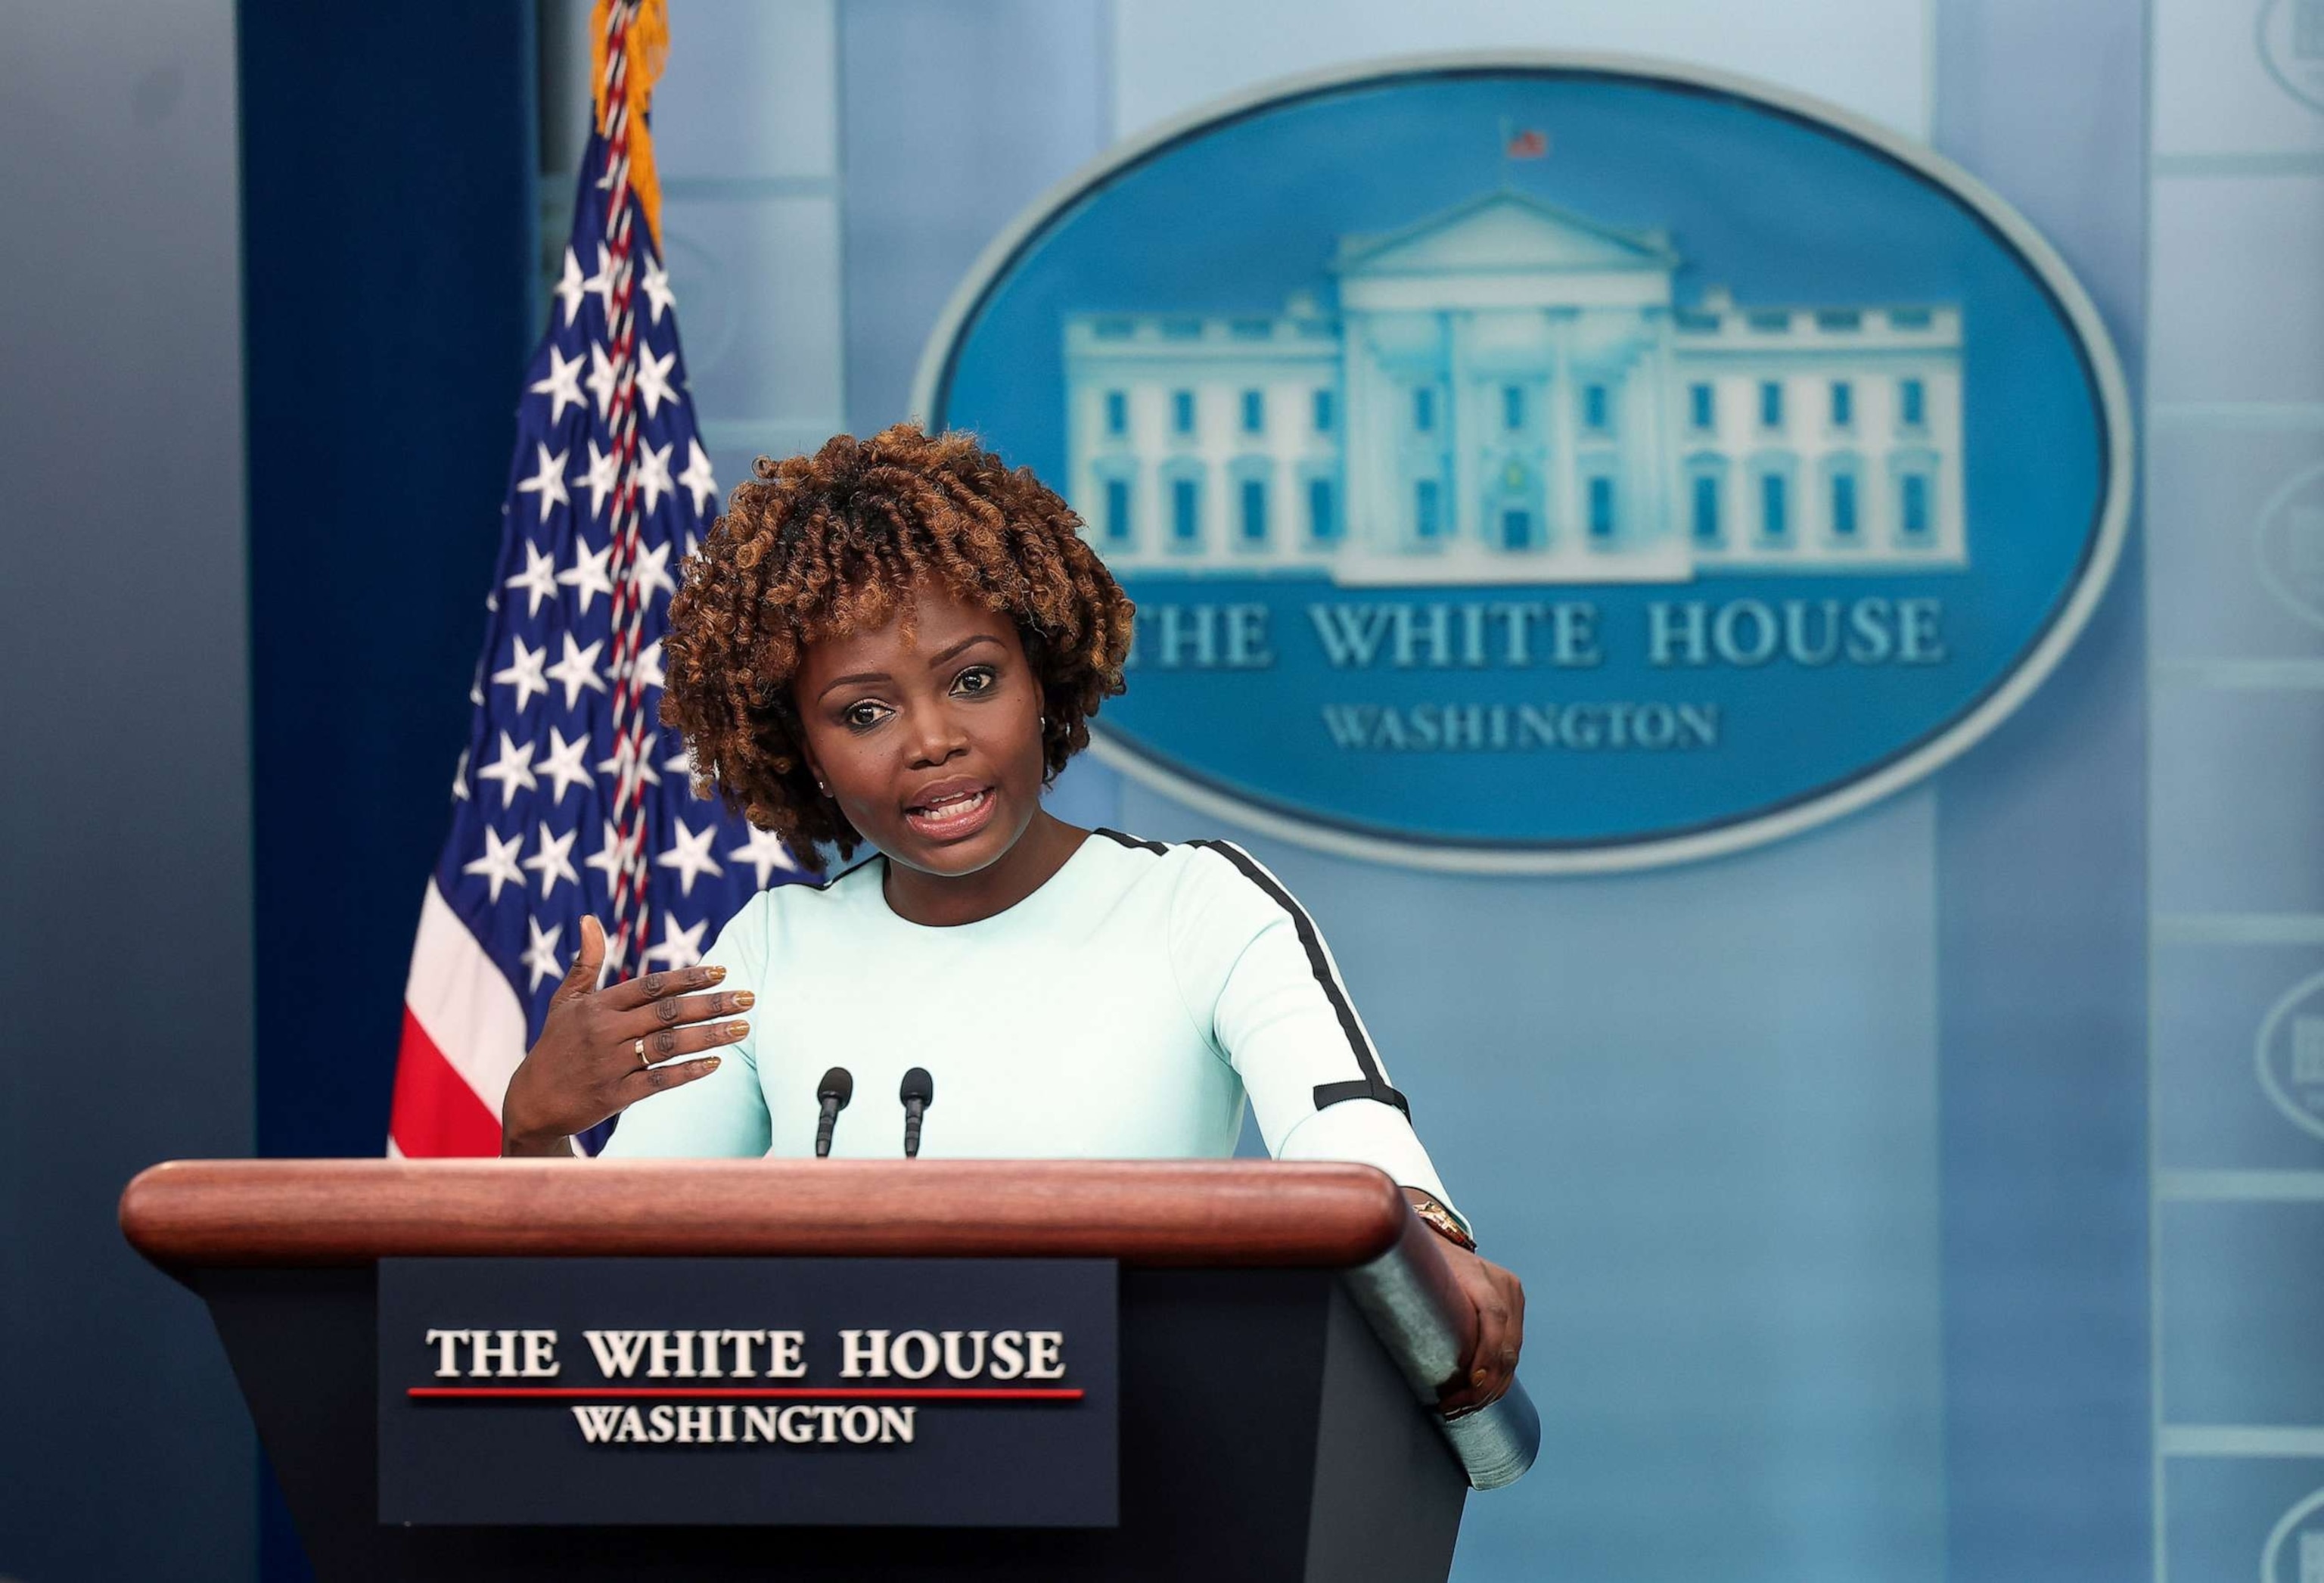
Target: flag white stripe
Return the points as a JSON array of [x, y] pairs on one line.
[[467, 1005]]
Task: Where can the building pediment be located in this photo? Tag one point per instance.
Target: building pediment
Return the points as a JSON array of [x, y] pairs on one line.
[[1502, 233]]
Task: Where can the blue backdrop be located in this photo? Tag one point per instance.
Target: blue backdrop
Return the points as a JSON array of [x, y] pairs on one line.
[[1882, 1219]]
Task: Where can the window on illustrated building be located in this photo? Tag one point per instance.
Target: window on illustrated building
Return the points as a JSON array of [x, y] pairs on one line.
[[1704, 510], [1916, 514], [1323, 512], [1774, 505], [1253, 493], [1119, 529], [1843, 505], [1254, 412], [1186, 512], [1601, 508], [1182, 410], [1117, 411]]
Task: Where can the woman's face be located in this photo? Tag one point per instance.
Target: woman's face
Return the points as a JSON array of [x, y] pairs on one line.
[[931, 746]]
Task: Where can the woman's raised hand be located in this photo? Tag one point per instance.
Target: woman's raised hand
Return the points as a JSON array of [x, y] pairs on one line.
[[598, 1050]]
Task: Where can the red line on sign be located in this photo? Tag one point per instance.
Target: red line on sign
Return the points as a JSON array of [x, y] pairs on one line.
[[743, 1392]]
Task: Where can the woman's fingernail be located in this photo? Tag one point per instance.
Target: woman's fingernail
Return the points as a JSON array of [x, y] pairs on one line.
[[715, 975], [744, 1000], [737, 1030], [1476, 1377], [711, 1065]]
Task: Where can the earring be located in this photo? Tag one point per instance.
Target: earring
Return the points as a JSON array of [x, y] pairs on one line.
[[822, 788], [1045, 722]]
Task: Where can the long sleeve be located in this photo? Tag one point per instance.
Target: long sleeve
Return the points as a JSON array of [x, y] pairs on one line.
[[1261, 983], [725, 1114]]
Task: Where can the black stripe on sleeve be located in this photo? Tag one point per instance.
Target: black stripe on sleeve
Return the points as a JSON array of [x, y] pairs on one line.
[[1373, 1084], [1131, 841]]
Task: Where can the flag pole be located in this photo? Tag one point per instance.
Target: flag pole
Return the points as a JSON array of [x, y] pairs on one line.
[[631, 36]]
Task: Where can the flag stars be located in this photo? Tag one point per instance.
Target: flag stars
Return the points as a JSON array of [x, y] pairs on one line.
[[570, 286], [653, 381], [689, 855], [653, 474], [563, 385], [698, 480], [523, 672], [588, 576], [603, 282], [547, 484], [541, 955], [649, 573], [575, 671], [512, 770], [610, 855], [551, 861], [764, 851], [679, 948], [498, 866], [602, 378], [563, 765], [592, 482], [538, 579], [655, 282], [599, 480], [625, 753]]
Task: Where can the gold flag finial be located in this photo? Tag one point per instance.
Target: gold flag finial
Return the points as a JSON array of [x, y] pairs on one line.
[[629, 40]]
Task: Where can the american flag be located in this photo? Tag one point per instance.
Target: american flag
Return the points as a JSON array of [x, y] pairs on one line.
[[571, 796]]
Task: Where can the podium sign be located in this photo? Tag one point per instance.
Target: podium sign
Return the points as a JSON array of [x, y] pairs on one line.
[[956, 1392]]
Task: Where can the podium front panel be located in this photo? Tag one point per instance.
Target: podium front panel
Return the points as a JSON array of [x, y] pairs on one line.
[[882, 1393]]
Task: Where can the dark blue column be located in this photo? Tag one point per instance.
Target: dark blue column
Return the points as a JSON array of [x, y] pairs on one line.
[[387, 216], [388, 198]]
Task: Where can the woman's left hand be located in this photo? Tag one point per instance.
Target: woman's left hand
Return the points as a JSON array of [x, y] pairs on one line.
[[1498, 1298]]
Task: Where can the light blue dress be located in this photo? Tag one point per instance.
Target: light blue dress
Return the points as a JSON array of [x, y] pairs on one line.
[[1125, 1009]]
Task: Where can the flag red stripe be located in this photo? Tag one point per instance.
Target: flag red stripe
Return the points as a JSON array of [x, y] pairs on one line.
[[436, 1114]]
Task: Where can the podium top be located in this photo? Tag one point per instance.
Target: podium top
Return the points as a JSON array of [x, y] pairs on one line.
[[191, 1213]]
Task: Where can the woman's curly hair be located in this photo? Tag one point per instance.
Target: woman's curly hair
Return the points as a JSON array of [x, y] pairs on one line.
[[830, 544]]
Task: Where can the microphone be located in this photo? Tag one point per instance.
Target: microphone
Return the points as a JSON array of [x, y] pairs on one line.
[[836, 1089], [919, 1092]]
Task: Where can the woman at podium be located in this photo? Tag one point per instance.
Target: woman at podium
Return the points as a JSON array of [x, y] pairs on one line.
[[898, 642]]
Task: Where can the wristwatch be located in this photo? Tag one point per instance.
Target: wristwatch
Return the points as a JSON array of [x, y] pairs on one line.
[[1439, 1219]]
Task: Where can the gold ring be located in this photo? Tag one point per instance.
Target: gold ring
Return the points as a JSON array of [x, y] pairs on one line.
[[639, 1046]]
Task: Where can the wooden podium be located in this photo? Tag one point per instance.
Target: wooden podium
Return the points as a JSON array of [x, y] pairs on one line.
[[1281, 1329]]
